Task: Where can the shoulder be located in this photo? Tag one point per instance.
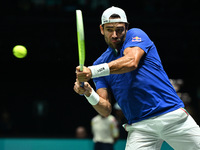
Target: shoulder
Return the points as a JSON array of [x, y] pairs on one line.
[[136, 32], [96, 118], [137, 37], [111, 118]]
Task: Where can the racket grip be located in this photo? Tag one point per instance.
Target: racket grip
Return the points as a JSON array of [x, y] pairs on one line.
[[82, 84]]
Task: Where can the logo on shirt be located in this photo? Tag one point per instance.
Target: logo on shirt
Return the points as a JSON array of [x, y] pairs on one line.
[[136, 39]]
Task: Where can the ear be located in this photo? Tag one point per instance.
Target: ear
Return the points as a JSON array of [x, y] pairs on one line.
[[101, 29]]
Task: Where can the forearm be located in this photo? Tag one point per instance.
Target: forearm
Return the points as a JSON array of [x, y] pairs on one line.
[[127, 63], [119, 66], [100, 101], [122, 65], [103, 107]]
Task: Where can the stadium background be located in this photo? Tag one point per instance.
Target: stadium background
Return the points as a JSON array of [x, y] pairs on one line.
[[37, 91]]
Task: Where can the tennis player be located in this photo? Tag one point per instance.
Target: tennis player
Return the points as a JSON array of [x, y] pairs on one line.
[[131, 68]]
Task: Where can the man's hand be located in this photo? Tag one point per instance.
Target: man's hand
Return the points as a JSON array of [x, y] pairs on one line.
[[87, 89], [83, 76]]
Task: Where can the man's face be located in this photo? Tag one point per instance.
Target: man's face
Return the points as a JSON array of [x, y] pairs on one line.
[[114, 34]]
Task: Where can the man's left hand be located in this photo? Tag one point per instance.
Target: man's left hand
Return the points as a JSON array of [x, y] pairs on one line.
[[83, 76]]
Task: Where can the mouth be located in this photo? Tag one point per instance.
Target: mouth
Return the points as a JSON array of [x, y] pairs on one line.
[[115, 40]]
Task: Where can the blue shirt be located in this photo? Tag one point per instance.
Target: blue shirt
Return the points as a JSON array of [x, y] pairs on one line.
[[145, 92]]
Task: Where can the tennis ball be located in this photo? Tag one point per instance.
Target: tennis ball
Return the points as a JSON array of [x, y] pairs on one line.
[[19, 51]]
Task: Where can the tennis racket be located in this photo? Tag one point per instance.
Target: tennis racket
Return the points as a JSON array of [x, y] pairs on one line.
[[81, 40]]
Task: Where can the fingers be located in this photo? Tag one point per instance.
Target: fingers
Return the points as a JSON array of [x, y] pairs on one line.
[[77, 69], [83, 76], [86, 90], [77, 87]]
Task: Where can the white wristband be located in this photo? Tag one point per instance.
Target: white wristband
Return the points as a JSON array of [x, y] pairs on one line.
[[93, 99], [100, 70]]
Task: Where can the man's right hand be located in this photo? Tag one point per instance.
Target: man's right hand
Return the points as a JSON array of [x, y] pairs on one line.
[[86, 90]]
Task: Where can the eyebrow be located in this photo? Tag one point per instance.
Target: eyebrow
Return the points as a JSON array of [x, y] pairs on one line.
[[113, 27]]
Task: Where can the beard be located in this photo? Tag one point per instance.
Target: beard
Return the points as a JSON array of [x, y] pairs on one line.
[[115, 43]]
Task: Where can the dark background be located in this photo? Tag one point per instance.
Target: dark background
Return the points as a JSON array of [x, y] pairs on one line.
[[36, 95]]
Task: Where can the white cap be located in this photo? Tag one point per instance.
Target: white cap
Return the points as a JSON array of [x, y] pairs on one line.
[[113, 10]]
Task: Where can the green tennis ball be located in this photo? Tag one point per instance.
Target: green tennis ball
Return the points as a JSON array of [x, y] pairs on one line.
[[19, 51]]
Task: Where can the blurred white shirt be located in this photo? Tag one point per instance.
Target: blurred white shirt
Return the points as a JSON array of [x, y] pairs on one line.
[[104, 130]]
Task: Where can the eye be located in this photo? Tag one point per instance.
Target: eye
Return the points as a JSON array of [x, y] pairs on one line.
[[110, 30], [120, 30]]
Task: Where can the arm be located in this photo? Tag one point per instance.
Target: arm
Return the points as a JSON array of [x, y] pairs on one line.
[[127, 63], [103, 107]]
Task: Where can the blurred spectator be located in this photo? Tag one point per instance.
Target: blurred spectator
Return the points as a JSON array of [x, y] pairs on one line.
[[184, 96], [5, 123], [177, 84], [40, 112], [81, 132], [105, 132], [120, 120], [40, 108]]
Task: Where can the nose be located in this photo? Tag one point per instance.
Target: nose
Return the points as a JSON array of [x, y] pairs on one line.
[[114, 35]]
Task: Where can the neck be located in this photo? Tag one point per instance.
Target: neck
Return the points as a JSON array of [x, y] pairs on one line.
[[115, 51]]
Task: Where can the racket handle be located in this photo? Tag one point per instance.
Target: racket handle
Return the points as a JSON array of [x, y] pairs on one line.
[[82, 84]]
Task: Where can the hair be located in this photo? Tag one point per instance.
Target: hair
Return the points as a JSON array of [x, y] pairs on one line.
[[115, 16]]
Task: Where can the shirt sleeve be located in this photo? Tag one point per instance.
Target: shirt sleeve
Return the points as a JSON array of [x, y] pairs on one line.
[[100, 83], [137, 37]]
